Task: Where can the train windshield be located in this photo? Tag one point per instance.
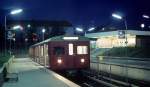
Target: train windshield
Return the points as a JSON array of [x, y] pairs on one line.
[[58, 51]]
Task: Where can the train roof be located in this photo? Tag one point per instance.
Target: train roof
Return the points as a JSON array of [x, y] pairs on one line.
[[64, 38]]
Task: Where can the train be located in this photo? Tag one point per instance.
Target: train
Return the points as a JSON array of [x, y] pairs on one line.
[[62, 53]]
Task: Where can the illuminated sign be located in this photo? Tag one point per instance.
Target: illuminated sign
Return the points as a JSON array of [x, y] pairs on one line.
[[121, 34]]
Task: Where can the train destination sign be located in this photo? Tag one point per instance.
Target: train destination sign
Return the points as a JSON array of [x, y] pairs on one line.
[[70, 38]]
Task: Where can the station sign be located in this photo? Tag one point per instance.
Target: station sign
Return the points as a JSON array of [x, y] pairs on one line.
[[10, 35], [121, 34]]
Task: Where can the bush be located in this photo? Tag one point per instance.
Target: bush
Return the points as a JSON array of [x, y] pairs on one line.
[[4, 58], [127, 52]]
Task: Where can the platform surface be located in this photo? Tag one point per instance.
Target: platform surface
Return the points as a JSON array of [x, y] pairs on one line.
[[31, 74]]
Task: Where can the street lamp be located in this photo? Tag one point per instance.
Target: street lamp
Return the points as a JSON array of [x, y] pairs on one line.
[[145, 16], [91, 29], [16, 11], [142, 25], [79, 29], [43, 31], [16, 27], [13, 12], [28, 25], [117, 16]]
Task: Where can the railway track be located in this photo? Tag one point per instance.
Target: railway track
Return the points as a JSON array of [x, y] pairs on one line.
[[91, 78], [105, 80]]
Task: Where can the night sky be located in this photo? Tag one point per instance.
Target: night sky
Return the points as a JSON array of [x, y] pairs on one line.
[[79, 12]]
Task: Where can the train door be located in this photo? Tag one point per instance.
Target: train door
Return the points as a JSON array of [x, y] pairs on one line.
[[82, 56], [46, 57]]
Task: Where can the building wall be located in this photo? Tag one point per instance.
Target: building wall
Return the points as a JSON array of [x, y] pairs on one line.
[[114, 41], [142, 41]]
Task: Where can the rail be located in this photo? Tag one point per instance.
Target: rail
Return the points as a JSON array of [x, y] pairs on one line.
[[105, 80]]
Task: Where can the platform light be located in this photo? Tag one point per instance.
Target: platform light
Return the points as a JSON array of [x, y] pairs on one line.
[[70, 38], [14, 39], [79, 29], [145, 16], [43, 30], [17, 27], [28, 25], [82, 60], [26, 39], [142, 25], [91, 29], [116, 16], [103, 28], [16, 11], [59, 61]]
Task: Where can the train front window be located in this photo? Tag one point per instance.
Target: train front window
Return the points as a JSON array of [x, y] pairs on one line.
[[58, 51], [82, 50]]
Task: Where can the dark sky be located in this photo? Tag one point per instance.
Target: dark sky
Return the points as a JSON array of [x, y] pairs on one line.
[[79, 12]]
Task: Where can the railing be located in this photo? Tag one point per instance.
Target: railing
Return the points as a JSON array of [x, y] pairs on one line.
[[130, 62], [5, 69], [136, 68], [124, 58]]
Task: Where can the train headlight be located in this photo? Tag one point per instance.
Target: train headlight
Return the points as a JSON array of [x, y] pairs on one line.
[[59, 61], [82, 60]]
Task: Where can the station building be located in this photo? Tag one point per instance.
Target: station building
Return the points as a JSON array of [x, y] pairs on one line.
[[119, 38]]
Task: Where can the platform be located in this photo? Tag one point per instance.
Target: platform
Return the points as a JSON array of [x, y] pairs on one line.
[[31, 74]]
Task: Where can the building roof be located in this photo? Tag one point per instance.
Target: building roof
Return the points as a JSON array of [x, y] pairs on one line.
[[61, 38], [116, 32]]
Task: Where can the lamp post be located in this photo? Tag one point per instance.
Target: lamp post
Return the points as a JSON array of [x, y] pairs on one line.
[[144, 16], [26, 45], [117, 16], [125, 23], [13, 12], [43, 31]]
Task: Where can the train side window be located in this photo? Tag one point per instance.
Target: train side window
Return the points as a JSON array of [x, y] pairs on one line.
[[82, 50], [58, 51], [70, 49]]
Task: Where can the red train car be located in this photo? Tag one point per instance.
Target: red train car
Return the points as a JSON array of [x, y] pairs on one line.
[[62, 52]]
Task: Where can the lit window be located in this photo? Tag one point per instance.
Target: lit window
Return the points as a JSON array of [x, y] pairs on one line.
[[82, 50], [70, 49], [42, 51]]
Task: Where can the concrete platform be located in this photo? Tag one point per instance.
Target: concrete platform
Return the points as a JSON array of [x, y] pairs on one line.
[[31, 74]]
